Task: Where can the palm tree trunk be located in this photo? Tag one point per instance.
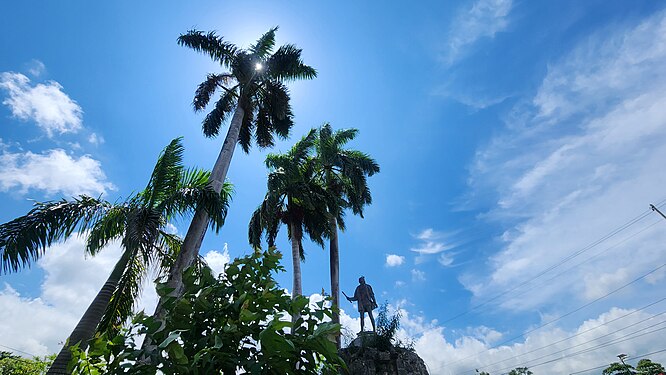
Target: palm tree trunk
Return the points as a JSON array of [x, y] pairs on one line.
[[296, 261], [197, 230], [86, 327], [335, 275]]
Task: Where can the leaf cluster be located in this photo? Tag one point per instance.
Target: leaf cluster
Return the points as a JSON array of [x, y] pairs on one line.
[[235, 322]]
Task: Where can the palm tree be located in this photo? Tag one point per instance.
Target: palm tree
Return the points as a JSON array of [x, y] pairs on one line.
[[138, 223], [253, 89], [295, 199], [344, 175]]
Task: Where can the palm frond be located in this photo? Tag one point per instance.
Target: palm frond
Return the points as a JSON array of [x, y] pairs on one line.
[[166, 174], [264, 128], [210, 44], [124, 296], [343, 136], [247, 127], [223, 108], [195, 192], [360, 160], [286, 65], [264, 44], [109, 227], [207, 88], [167, 247], [24, 239]]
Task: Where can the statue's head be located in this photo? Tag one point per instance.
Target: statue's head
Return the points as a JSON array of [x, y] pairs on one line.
[[361, 280]]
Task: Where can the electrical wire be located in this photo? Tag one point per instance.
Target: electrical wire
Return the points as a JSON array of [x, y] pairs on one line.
[[17, 350], [581, 333], [628, 337], [559, 263], [566, 314]]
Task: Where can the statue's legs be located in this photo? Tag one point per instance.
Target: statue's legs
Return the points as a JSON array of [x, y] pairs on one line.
[[363, 320], [372, 320]]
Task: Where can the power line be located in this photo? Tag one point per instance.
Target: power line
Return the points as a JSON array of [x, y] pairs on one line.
[[566, 314], [18, 350], [562, 261], [587, 260], [583, 332], [630, 336]]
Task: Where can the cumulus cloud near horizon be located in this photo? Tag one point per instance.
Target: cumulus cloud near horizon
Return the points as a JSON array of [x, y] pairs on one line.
[[577, 160], [44, 103]]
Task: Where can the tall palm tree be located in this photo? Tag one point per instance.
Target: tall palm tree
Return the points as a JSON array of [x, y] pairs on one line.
[[138, 223], [253, 88], [294, 198], [343, 173]]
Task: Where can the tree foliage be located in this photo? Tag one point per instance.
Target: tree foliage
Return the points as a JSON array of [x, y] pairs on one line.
[[520, 371], [222, 325], [11, 364], [387, 327], [646, 367]]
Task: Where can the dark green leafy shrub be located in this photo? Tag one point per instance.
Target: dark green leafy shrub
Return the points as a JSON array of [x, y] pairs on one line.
[[237, 321]]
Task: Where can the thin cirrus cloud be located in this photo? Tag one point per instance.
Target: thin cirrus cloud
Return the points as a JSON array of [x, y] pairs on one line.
[[418, 275], [432, 242], [483, 19], [53, 171], [582, 156], [44, 103]]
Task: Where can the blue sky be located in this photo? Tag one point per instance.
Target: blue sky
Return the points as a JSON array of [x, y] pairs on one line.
[[511, 135]]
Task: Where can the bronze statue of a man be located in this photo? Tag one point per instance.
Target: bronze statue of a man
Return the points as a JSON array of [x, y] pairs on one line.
[[366, 301]]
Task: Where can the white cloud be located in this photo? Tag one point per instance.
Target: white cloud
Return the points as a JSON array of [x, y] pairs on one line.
[[53, 171], [445, 260], [71, 280], [95, 139], [576, 161], [594, 342], [218, 261], [393, 260], [36, 68], [45, 103], [418, 275], [432, 243], [483, 19]]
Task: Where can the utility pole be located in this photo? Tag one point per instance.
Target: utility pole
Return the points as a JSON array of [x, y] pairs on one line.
[[653, 208]]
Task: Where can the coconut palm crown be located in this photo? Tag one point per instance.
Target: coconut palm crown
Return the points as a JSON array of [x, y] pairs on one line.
[[138, 224]]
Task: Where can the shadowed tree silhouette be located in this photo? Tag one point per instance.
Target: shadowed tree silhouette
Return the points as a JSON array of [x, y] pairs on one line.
[[255, 96]]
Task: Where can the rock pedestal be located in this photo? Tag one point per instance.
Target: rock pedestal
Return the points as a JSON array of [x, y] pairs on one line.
[[364, 358]]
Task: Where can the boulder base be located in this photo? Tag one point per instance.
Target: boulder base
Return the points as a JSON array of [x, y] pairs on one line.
[[366, 360]]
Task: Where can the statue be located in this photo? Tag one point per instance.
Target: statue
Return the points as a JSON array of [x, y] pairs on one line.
[[366, 301]]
